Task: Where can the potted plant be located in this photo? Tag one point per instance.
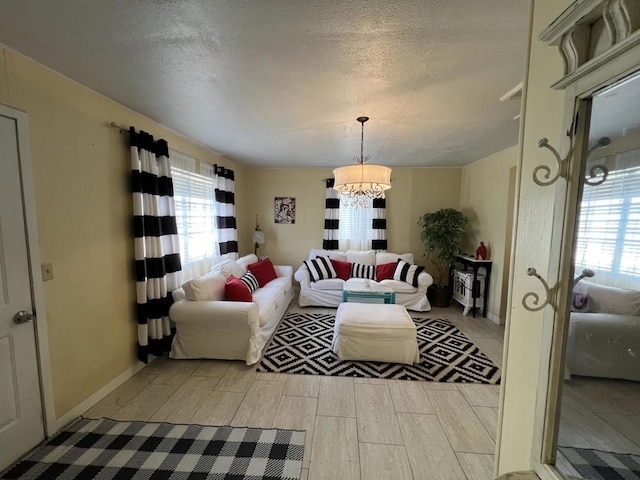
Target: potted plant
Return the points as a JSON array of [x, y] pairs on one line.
[[441, 233]]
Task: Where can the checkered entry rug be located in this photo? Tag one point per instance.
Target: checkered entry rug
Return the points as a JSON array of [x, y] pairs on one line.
[[599, 465], [302, 345], [107, 449]]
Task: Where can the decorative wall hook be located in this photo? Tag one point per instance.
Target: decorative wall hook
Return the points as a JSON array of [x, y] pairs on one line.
[[594, 172], [598, 169], [534, 296], [544, 143]]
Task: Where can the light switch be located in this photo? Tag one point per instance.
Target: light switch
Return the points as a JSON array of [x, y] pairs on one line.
[[47, 271]]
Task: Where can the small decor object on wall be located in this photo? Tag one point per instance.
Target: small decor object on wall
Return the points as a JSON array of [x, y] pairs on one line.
[[284, 209], [481, 252]]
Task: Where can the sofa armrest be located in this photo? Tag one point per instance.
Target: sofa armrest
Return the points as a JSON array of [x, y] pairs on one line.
[[424, 280], [226, 315], [284, 271], [303, 277]]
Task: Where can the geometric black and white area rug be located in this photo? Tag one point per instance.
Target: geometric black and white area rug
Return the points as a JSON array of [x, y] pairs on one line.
[[109, 450], [599, 465], [302, 345]]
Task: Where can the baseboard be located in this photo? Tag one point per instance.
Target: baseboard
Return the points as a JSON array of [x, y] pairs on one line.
[[96, 397], [494, 318]]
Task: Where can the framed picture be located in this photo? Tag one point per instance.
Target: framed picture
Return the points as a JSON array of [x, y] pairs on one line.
[[284, 209]]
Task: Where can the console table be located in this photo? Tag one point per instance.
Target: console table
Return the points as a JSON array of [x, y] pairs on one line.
[[475, 265]]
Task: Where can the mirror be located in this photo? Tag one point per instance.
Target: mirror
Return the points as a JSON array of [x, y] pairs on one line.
[[599, 426]]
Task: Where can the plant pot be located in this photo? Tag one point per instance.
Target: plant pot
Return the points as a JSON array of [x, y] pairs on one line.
[[439, 296]]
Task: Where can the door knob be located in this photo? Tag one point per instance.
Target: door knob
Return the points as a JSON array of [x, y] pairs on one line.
[[23, 317]]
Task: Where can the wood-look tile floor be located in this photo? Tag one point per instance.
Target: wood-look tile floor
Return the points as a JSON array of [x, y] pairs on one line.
[[601, 414], [356, 428]]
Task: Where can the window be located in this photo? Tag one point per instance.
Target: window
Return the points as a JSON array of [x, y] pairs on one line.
[[355, 232], [609, 234], [194, 195]]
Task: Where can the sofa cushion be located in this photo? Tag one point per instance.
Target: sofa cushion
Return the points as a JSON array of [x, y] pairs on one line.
[[263, 271], [387, 257], [237, 290], [399, 286], [363, 257], [228, 268], [385, 271], [328, 284], [250, 280], [335, 254], [320, 268], [207, 287], [266, 300], [610, 299], [359, 270], [406, 272]]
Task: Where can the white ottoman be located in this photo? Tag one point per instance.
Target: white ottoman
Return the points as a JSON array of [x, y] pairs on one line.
[[381, 333]]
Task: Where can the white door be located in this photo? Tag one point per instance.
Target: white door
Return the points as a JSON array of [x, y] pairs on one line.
[[21, 419]]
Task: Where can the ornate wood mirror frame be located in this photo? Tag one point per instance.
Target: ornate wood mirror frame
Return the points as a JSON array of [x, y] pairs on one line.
[[599, 41]]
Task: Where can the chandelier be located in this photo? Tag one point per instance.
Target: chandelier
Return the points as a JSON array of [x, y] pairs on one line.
[[359, 183]]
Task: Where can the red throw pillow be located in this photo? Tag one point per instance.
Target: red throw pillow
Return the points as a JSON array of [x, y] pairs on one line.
[[343, 269], [236, 290], [263, 271], [385, 271]]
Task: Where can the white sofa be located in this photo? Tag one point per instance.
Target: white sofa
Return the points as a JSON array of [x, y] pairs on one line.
[[328, 292], [208, 326], [604, 338]]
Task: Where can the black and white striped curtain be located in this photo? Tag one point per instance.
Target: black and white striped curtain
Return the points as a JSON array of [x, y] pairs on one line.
[[331, 217], [379, 224], [157, 257], [225, 211]]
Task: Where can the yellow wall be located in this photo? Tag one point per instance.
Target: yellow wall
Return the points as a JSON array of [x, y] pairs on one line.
[[542, 118], [414, 192], [484, 199], [84, 213]]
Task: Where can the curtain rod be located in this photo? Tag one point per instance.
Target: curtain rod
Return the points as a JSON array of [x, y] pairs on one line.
[[122, 128]]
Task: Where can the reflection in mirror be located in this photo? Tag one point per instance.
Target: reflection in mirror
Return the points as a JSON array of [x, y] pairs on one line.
[[599, 434]]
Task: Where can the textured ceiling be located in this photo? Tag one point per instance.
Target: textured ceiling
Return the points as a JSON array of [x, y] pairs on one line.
[[279, 83]]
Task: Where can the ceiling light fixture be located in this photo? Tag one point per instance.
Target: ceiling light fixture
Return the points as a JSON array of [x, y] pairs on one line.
[[358, 183]]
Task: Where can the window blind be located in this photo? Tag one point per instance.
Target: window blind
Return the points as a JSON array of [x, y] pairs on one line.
[[354, 231], [194, 195], [608, 239]]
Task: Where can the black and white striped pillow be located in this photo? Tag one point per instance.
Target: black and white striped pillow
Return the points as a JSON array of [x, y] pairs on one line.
[[405, 272], [363, 271], [250, 280], [262, 257], [320, 269]]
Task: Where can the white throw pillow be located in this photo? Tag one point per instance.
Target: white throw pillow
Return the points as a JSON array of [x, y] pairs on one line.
[[359, 270], [320, 269], [405, 272], [250, 280], [207, 287], [245, 261], [228, 268]]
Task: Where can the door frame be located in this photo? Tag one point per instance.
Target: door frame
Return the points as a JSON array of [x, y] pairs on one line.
[[587, 72], [34, 259]]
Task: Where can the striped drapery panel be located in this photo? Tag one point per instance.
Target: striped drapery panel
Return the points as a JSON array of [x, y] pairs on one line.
[[331, 217], [379, 224], [157, 257], [225, 210]]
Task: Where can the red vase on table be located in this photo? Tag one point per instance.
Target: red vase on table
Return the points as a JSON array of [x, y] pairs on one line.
[[481, 252]]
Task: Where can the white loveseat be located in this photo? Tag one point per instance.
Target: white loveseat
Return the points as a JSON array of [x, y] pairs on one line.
[[604, 338], [208, 326], [328, 292]]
